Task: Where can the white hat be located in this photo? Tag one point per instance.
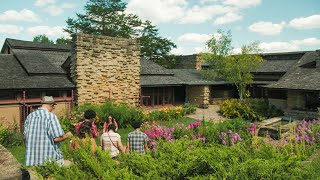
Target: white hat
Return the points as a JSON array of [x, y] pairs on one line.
[[48, 100]]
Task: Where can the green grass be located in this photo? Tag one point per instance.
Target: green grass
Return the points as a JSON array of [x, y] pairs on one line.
[[18, 152]]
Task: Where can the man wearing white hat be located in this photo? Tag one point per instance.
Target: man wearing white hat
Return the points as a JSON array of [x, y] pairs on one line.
[[43, 134]]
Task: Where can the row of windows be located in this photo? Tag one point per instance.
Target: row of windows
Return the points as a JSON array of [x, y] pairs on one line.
[[10, 95]]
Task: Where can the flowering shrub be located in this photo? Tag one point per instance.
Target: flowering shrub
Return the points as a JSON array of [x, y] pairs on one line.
[[308, 131], [156, 133], [168, 114], [249, 109], [229, 138]]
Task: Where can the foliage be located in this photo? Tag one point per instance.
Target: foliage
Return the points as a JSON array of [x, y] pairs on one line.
[[42, 38], [155, 47], [169, 114], [249, 109], [10, 136], [110, 18], [105, 17], [63, 40], [236, 69], [123, 113]]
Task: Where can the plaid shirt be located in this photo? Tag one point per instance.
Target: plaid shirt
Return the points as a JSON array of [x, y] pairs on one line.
[[40, 128], [136, 140]]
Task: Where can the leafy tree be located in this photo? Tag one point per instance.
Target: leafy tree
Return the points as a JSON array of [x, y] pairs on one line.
[[155, 47], [235, 69], [42, 38], [63, 40], [108, 17]]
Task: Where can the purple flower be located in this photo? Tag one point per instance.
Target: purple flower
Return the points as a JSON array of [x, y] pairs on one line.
[[154, 149], [153, 143], [229, 131], [224, 142]]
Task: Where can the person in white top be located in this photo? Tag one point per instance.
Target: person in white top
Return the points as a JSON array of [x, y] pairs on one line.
[[111, 141]]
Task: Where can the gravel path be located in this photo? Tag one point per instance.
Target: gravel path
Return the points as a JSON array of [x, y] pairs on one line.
[[210, 114]]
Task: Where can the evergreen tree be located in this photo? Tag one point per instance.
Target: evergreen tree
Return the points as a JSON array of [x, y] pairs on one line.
[[105, 17], [42, 38], [108, 17], [155, 47]]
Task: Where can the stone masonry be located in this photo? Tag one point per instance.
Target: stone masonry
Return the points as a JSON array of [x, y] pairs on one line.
[[198, 95], [105, 68], [10, 167], [189, 62]]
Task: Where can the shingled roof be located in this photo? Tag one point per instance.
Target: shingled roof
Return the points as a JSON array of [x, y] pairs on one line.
[[13, 76], [151, 68], [20, 44], [300, 77], [152, 74], [193, 77]]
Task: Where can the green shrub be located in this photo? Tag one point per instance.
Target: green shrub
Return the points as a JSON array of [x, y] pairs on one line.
[[10, 136], [249, 109]]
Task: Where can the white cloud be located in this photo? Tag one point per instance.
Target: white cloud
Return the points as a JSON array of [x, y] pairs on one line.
[[185, 12], [306, 22], [227, 18], [207, 1], [193, 37], [266, 28], [158, 11], [242, 3], [41, 3], [200, 14], [56, 31], [52, 8], [10, 29], [178, 51], [236, 51], [200, 49], [23, 15], [293, 45]]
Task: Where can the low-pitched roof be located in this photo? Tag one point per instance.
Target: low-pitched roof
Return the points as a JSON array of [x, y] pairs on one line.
[[15, 77], [193, 77], [20, 44], [299, 77], [151, 68]]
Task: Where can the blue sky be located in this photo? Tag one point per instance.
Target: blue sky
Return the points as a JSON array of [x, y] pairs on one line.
[[279, 25]]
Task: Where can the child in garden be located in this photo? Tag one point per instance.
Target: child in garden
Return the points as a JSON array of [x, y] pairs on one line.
[[107, 122], [111, 141], [84, 132]]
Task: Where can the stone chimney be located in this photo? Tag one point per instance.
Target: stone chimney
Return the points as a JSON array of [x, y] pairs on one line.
[[105, 68]]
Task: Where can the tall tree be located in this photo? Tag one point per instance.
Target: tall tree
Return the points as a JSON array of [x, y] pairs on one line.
[[108, 17], [42, 38], [155, 47], [63, 40], [236, 69], [105, 17]]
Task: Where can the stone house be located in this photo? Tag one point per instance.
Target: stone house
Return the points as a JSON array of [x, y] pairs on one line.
[[100, 68]]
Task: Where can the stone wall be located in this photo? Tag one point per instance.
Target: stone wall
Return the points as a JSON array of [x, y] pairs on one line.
[[188, 62], [105, 68], [198, 95], [10, 167]]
